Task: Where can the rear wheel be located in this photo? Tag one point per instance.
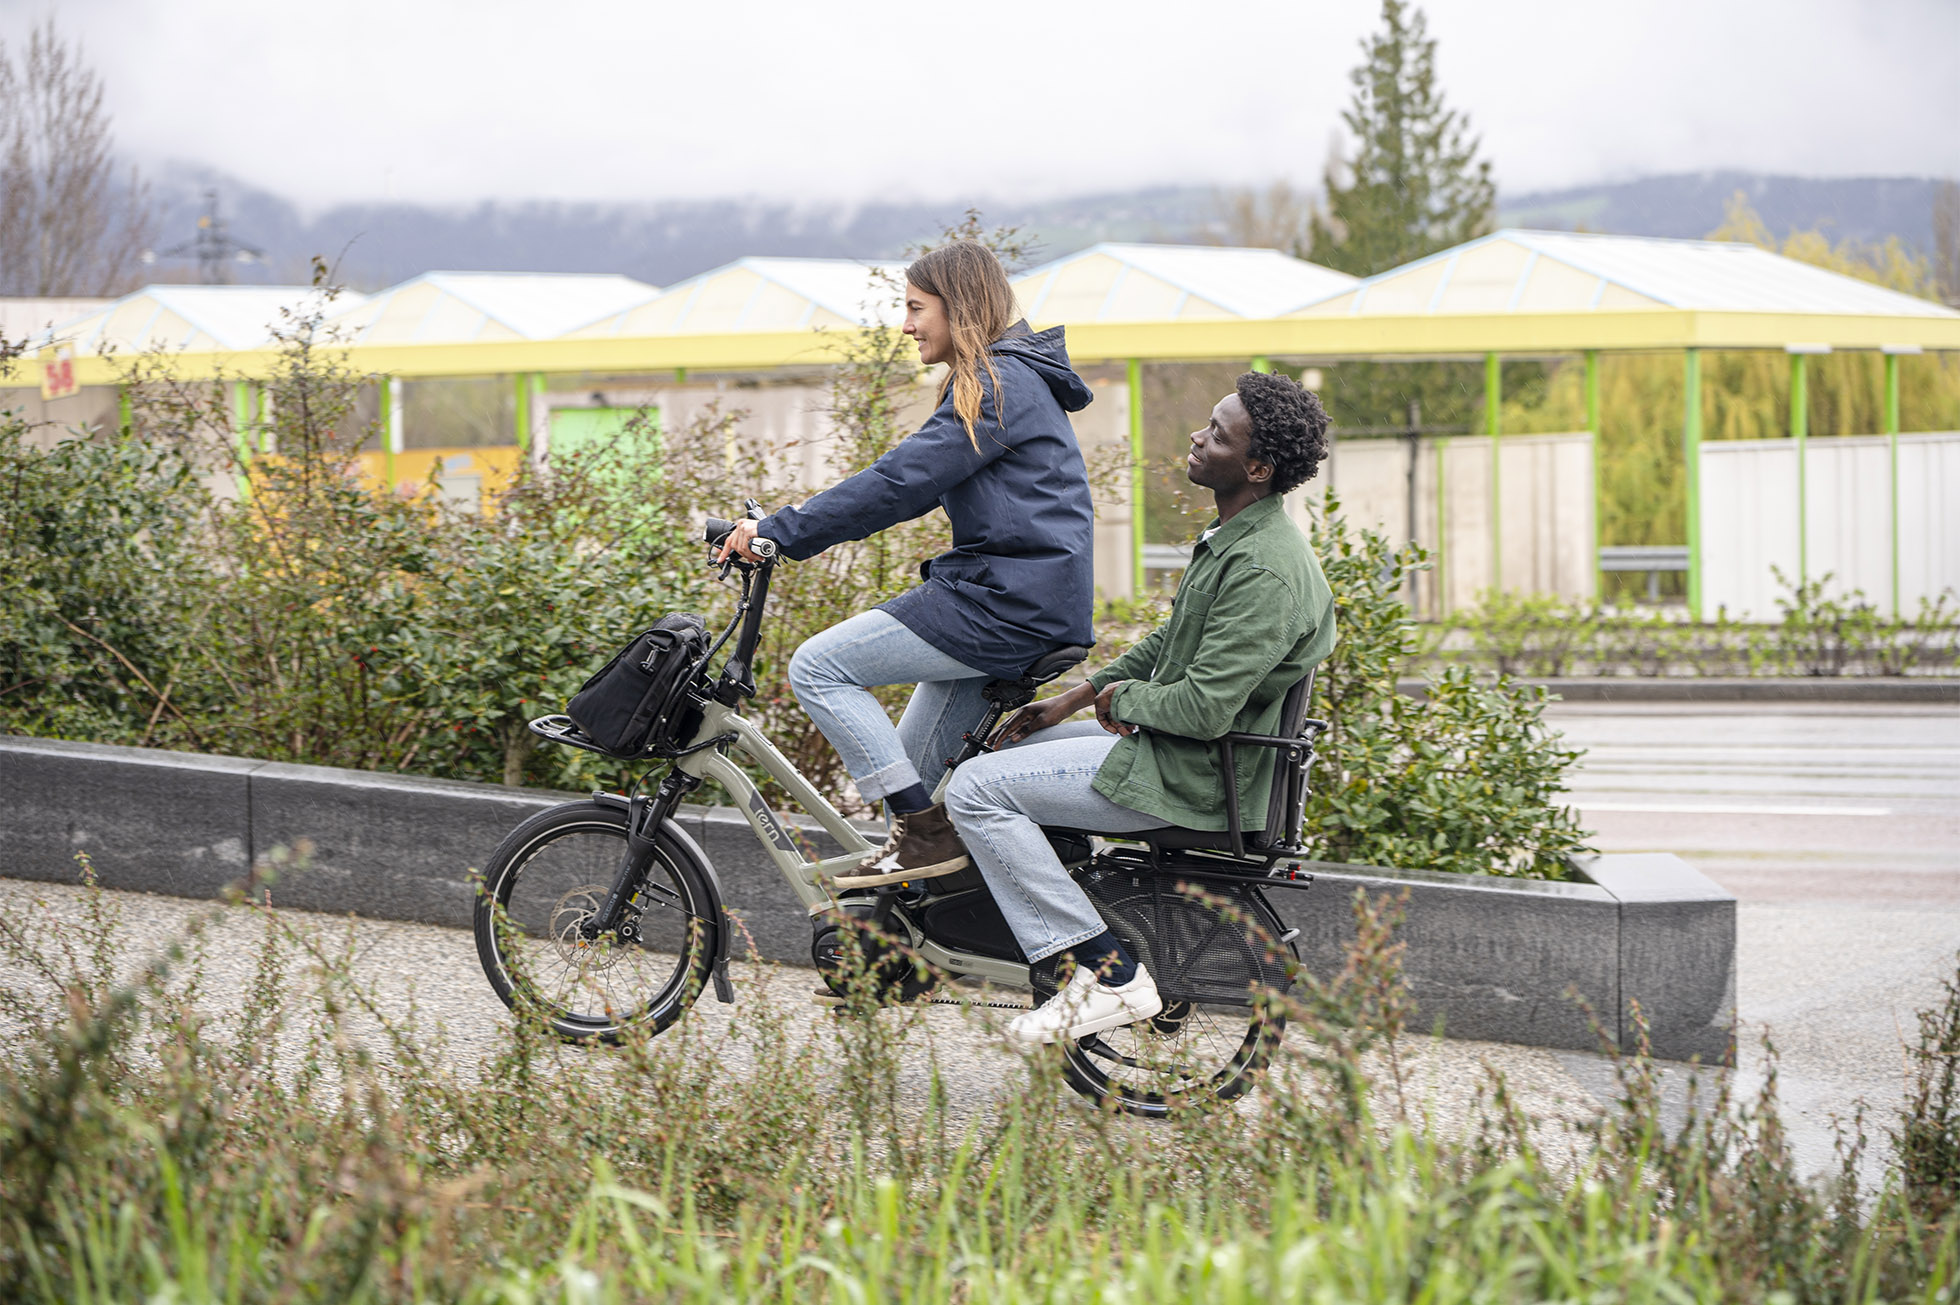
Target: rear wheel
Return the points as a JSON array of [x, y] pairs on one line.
[[543, 886], [1213, 954]]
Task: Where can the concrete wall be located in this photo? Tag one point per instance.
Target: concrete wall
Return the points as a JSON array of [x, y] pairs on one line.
[[1545, 502], [1486, 958]]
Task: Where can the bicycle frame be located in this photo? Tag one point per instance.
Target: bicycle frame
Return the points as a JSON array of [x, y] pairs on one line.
[[806, 877]]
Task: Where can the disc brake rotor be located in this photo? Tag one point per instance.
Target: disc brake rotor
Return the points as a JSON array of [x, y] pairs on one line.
[[568, 919]]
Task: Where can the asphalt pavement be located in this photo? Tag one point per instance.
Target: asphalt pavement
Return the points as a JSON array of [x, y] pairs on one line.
[[1837, 827]]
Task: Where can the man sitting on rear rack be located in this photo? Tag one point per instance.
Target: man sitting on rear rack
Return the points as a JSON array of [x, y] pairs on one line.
[[1253, 614]]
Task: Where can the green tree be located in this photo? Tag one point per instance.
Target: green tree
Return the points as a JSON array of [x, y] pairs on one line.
[[1415, 184]]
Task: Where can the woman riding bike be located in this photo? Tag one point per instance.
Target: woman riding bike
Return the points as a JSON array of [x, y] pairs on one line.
[[998, 454]]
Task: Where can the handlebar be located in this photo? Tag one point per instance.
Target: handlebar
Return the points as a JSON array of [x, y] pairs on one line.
[[715, 531], [737, 680]]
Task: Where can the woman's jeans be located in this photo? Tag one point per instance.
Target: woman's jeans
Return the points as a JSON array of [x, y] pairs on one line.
[[832, 674], [999, 800]]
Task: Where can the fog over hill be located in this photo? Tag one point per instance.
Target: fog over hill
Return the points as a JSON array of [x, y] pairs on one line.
[[377, 244]]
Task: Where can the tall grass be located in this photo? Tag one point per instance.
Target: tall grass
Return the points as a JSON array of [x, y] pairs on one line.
[[304, 1146]]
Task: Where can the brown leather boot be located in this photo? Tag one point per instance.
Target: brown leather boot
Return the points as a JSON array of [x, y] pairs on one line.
[[922, 845]]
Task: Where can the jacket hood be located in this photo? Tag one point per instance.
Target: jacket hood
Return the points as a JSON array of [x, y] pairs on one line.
[[1047, 353]]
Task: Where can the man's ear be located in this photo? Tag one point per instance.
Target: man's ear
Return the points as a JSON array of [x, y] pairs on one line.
[[1258, 472]]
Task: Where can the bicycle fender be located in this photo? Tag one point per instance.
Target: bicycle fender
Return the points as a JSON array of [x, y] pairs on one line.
[[724, 990]]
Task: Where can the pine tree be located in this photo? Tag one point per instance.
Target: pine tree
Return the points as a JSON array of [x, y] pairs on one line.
[[1415, 184]]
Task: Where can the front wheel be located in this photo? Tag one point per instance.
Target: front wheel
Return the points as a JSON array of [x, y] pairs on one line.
[[543, 885]]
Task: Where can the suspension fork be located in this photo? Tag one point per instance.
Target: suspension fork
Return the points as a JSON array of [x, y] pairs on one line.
[[644, 816]]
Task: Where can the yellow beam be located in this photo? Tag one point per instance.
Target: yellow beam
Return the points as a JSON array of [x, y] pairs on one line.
[[1470, 335]]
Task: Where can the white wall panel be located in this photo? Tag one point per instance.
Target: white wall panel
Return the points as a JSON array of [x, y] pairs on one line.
[[1749, 520], [1929, 518], [1748, 524]]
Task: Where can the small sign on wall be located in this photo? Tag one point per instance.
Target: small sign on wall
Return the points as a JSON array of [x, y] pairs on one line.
[[58, 379]]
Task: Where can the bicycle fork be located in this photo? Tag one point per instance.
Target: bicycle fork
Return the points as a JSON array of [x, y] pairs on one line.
[[644, 817]]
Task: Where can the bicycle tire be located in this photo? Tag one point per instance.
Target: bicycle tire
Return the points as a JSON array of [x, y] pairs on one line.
[[1196, 1052], [549, 874]]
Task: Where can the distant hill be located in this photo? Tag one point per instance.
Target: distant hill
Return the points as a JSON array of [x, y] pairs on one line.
[[380, 244], [1692, 204]]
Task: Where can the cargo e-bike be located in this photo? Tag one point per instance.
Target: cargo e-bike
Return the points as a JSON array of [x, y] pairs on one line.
[[604, 915]]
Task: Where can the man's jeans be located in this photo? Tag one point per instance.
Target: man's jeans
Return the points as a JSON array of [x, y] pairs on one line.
[[832, 674], [998, 801]]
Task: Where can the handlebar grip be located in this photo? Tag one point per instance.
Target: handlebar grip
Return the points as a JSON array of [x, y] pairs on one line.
[[716, 530]]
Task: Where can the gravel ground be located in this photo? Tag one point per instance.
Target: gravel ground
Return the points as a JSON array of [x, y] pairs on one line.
[[429, 977]]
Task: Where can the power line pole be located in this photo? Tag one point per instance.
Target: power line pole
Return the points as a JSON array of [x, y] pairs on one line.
[[214, 247]]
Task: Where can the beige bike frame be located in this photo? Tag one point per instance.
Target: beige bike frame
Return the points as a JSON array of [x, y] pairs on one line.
[[807, 878]]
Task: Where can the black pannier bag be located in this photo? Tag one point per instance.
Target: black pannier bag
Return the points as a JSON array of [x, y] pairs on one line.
[[638, 701]]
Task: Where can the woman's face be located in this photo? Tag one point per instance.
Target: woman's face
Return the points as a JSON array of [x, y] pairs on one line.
[[925, 321]]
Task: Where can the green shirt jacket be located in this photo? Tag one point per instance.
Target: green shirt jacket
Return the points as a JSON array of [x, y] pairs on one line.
[[1253, 614]]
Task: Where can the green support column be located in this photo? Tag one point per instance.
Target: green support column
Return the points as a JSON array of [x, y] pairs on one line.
[[241, 433], [1262, 364], [1892, 456], [1800, 432], [125, 419], [522, 384], [388, 432], [1135, 378], [1592, 428], [680, 375], [1691, 457], [530, 394], [1493, 402]]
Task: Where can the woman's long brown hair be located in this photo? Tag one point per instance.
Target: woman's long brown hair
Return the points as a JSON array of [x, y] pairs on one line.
[[980, 307]]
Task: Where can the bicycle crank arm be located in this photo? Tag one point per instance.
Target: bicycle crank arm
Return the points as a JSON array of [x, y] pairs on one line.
[[1094, 1045]]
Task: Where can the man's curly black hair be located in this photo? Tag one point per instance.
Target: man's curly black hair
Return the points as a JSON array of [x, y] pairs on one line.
[[1289, 427]]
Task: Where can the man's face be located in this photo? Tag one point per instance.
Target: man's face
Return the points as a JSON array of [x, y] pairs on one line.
[[1221, 451]]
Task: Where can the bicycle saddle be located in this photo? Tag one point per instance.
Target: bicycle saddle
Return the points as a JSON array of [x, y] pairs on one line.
[[1050, 664]]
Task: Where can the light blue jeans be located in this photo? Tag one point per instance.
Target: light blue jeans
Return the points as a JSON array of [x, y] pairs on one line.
[[833, 673], [1000, 800]]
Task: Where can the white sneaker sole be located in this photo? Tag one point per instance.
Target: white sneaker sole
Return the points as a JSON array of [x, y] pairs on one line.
[[1101, 1024]]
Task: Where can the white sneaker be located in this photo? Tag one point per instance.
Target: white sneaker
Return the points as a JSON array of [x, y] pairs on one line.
[[1086, 1006]]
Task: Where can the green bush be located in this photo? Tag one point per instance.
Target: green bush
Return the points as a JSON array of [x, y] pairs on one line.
[[1468, 778], [1816, 633]]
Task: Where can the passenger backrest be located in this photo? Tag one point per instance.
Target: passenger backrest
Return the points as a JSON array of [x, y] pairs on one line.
[[1287, 803]]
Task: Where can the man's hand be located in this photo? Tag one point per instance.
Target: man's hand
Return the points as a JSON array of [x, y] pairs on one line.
[[1105, 711], [737, 542], [1045, 714]]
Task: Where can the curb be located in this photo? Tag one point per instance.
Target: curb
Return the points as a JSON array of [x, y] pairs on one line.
[[1485, 957], [1690, 688]]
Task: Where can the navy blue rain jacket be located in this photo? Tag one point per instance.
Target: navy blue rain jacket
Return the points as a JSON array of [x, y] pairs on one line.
[[1018, 581]]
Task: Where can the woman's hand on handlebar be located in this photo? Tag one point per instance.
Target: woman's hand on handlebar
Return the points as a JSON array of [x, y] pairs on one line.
[[737, 542], [1045, 714]]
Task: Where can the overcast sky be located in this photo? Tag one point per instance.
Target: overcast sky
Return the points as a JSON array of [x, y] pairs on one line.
[[445, 100]]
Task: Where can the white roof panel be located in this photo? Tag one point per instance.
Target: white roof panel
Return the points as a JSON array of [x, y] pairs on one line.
[[1171, 282], [1514, 271], [189, 317], [451, 307], [764, 294]]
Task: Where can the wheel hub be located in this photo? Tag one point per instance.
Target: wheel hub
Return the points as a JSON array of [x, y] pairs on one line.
[[577, 942]]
